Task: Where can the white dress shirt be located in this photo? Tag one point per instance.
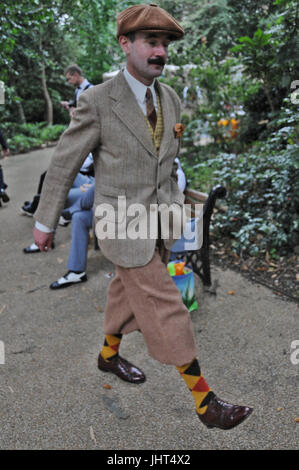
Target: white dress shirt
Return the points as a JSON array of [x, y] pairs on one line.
[[81, 88], [139, 90]]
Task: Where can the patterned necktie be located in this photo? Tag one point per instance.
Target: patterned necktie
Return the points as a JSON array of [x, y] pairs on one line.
[[150, 108]]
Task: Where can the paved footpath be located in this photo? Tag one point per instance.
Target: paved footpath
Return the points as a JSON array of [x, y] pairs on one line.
[[53, 397]]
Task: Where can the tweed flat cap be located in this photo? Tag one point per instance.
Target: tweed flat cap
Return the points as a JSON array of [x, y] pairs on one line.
[[149, 18]]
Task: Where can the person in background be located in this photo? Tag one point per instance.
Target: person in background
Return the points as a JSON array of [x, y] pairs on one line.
[[3, 195], [81, 214], [74, 76], [84, 177]]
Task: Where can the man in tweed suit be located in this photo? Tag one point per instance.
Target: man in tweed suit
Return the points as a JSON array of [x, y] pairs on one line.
[[128, 124]]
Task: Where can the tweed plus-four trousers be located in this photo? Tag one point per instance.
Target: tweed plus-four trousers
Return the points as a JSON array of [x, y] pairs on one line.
[[146, 299]]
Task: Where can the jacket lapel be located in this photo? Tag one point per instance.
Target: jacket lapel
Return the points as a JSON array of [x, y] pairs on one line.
[[126, 108], [167, 112]]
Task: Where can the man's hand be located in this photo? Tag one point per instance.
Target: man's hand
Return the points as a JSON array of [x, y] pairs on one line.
[[43, 239], [6, 152], [64, 104]]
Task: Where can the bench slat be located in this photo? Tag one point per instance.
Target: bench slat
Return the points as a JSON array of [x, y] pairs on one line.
[[194, 196]]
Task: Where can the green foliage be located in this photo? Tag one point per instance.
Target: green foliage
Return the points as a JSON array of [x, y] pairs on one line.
[[55, 33], [268, 56], [263, 190], [34, 30], [24, 137], [94, 23], [52, 133], [244, 69]]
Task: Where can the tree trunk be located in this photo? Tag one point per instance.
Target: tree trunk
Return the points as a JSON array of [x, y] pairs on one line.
[[21, 114], [268, 95], [17, 101], [49, 105]]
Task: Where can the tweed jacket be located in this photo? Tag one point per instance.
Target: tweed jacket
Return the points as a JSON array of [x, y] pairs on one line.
[[128, 171]]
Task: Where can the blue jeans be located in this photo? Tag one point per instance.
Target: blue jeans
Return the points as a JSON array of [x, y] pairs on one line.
[[75, 192]]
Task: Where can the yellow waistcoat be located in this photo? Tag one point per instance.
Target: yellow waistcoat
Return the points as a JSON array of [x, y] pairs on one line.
[[158, 133]]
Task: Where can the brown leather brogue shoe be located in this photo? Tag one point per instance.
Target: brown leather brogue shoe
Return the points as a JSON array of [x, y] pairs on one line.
[[122, 368], [224, 415]]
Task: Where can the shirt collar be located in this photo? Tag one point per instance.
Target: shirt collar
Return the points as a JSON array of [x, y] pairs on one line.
[[83, 84], [138, 88]]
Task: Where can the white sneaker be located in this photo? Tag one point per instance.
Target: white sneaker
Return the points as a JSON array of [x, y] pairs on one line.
[[69, 279], [33, 248], [63, 222]]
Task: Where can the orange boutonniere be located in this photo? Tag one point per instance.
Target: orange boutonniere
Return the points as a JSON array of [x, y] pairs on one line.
[[179, 130]]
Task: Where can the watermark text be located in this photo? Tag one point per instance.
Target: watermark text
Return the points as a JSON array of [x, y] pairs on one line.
[[137, 221], [295, 352]]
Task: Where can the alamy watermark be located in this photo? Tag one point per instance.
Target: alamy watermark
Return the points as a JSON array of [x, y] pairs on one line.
[[2, 353], [137, 221], [2, 92], [295, 352]]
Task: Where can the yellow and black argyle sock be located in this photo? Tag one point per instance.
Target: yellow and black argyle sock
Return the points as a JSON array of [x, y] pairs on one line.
[[111, 345], [196, 383]]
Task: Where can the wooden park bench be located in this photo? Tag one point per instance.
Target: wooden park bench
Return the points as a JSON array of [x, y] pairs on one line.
[[200, 259]]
